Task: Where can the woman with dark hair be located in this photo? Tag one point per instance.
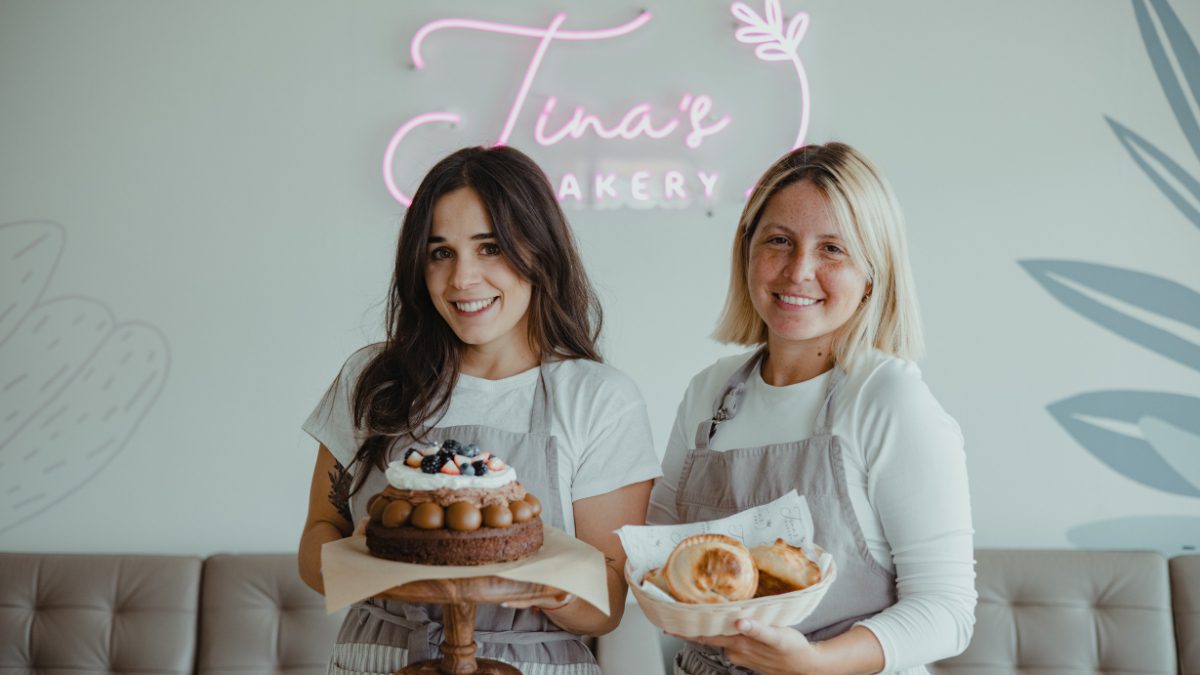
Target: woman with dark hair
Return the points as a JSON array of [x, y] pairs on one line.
[[491, 337]]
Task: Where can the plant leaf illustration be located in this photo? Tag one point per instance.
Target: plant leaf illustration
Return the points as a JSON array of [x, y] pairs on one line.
[[74, 383], [796, 29], [1186, 56], [1178, 447], [774, 14], [30, 253], [753, 35], [1091, 418], [748, 16], [69, 441], [775, 42], [1166, 534], [1153, 162], [47, 350], [1145, 292], [772, 51]]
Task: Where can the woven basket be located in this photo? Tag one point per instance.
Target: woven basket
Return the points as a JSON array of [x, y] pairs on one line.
[[688, 620]]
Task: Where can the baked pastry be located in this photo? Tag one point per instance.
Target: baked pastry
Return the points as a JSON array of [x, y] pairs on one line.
[[783, 568], [450, 504], [655, 577], [709, 568]]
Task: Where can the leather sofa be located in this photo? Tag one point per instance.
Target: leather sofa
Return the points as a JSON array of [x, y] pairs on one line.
[[78, 614], [1038, 612], [1091, 611]]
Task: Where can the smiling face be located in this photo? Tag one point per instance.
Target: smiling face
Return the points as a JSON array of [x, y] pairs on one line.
[[802, 281], [471, 282]]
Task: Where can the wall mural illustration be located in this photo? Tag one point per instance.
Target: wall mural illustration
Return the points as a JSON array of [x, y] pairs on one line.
[[75, 382], [1150, 437]]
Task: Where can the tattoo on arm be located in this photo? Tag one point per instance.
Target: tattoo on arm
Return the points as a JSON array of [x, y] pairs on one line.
[[339, 491]]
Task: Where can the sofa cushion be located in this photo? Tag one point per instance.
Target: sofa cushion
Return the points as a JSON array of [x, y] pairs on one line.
[[256, 615], [1185, 599], [1078, 611], [82, 614]]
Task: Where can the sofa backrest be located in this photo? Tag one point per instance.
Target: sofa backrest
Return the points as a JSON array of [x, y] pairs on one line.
[[1185, 600], [163, 614], [1060, 611], [98, 613], [257, 616]]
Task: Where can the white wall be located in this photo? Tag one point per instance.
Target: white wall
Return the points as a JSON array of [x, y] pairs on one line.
[[209, 174]]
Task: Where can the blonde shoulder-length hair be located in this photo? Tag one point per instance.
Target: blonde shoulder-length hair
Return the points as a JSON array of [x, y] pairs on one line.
[[863, 205]]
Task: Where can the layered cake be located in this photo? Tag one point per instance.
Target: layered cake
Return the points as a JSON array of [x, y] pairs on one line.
[[453, 504]]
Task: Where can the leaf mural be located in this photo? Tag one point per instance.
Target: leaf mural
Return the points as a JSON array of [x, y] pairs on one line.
[[1150, 437], [1151, 294], [75, 383], [1154, 163], [1161, 533], [29, 252], [1178, 447], [1186, 55], [1171, 535]]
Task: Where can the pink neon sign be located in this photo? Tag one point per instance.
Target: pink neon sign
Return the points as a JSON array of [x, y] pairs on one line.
[[691, 120], [776, 43]]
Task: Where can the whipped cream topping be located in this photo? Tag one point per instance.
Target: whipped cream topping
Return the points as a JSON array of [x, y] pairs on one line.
[[404, 477]]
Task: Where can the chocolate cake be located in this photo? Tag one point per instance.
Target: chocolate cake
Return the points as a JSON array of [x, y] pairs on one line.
[[449, 504]]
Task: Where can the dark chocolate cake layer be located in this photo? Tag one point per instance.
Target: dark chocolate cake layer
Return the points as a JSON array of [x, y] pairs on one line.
[[448, 547]]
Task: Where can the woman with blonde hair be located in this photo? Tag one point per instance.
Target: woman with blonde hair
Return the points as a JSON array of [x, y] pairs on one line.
[[830, 404]]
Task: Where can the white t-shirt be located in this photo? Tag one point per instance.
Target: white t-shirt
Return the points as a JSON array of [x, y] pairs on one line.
[[596, 413], [907, 481]]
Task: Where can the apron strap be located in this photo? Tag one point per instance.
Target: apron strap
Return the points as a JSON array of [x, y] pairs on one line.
[[539, 415], [726, 405], [539, 426], [823, 426]]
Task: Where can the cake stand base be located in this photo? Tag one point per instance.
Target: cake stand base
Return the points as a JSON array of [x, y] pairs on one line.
[[458, 598], [482, 667]]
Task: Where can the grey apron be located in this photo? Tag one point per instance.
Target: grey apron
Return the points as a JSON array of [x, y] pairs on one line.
[[511, 635], [717, 484]]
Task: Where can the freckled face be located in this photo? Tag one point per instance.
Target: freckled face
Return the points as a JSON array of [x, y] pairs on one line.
[[801, 278], [471, 283]]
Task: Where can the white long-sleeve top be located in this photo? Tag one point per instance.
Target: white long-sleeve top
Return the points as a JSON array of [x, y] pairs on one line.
[[907, 481]]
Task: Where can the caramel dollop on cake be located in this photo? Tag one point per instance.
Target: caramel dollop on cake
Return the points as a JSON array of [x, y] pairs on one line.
[[450, 504], [710, 568]]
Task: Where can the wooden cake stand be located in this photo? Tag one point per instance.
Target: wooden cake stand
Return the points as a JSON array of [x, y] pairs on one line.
[[458, 598]]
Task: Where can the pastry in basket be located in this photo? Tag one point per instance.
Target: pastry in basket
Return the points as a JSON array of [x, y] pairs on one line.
[[709, 568], [783, 568], [450, 504], [655, 578]]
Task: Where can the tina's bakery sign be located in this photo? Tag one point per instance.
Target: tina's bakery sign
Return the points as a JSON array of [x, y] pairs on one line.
[[674, 126]]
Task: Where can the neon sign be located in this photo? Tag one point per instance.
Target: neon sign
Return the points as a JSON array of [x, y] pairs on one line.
[[684, 125]]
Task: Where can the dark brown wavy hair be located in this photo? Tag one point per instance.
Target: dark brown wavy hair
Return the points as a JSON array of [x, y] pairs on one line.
[[406, 387]]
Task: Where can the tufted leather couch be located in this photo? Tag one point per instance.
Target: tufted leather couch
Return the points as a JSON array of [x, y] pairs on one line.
[[1089, 611], [1039, 612], [79, 614]]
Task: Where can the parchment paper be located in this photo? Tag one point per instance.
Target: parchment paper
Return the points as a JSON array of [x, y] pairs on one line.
[[564, 562]]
